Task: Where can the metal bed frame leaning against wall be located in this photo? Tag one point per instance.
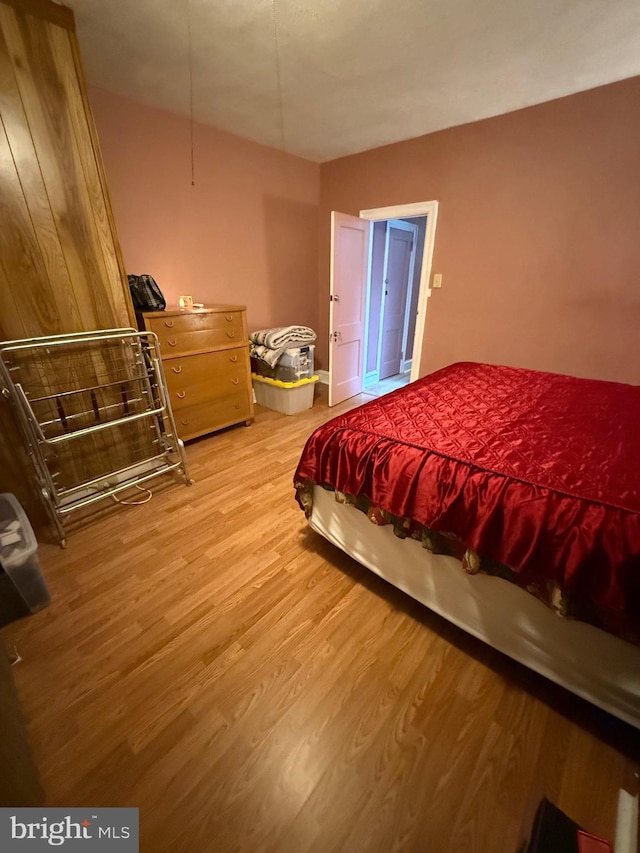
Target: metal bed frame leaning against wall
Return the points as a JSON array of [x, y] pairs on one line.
[[94, 414]]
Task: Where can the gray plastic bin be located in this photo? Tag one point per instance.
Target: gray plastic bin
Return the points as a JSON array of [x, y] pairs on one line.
[[294, 364], [23, 588]]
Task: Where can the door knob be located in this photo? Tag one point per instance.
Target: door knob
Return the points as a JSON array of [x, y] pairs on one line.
[[336, 298]]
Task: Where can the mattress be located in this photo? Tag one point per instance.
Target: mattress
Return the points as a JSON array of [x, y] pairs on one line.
[[527, 475]]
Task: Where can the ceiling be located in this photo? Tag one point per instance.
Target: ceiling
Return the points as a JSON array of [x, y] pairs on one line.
[[333, 77]]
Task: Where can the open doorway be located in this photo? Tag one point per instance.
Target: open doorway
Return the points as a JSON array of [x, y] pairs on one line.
[[393, 287], [350, 260]]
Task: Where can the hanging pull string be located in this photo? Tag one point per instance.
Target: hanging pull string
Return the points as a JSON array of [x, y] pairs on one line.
[[193, 181], [283, 139]]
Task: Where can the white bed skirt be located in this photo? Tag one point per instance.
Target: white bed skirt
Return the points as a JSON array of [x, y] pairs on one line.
[[591, 663]]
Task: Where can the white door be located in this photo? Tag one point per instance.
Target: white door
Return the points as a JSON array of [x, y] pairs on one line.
[[347, 293], [398, 274]]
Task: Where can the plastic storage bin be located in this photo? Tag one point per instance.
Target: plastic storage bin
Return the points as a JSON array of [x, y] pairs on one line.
[[23, 589], [294, 364], [286, 397]]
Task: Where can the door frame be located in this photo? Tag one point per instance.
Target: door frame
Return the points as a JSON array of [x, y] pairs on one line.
[[403, 211]]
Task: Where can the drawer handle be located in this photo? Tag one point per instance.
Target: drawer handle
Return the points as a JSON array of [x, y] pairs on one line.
[[235, 381], [171, 343], [233, 358], [169, 324], [236, 405], [231, 334], [228, 317], [177, 369], [184, 421], [181, 395]]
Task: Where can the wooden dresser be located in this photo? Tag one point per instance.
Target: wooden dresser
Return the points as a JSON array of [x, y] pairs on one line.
[[205, 353]]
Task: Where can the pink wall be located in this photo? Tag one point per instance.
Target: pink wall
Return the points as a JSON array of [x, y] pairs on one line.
[[245, 233], [537, 236]]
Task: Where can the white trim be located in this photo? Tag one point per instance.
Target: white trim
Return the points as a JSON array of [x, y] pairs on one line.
[[331, 329], [398, 211], [409, 294], [401, 225], [382, 299], [430, 210], [405, 367], [323, 376], [627, 823], [367, 312], [370, 378]]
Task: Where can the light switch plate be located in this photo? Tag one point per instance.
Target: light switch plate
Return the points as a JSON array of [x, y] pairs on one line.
[[437, 280]]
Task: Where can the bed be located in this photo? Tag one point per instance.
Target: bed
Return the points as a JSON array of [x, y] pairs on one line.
[[506, 500]]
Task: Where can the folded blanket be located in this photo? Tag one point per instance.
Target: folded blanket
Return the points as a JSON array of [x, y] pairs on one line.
[[283, 336], [270, 356], [269, 344]]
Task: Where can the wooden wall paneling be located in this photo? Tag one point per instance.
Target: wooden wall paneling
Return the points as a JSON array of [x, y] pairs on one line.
[[19, 253], [61, 268], [15, 468], [15, 464], [8, 306], [20, 256], [45, 9], [24, 252], [47, 110], [27, 168], [51, 173], [105, 241], [93, 133]]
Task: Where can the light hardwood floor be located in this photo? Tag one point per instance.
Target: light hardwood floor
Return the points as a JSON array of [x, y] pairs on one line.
[[210, 660]]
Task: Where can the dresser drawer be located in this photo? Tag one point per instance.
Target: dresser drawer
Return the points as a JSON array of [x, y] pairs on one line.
[[193, 421], [194, 379], [179, 333]]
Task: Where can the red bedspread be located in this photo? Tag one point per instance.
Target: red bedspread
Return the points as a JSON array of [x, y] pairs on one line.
[[536, 471]]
